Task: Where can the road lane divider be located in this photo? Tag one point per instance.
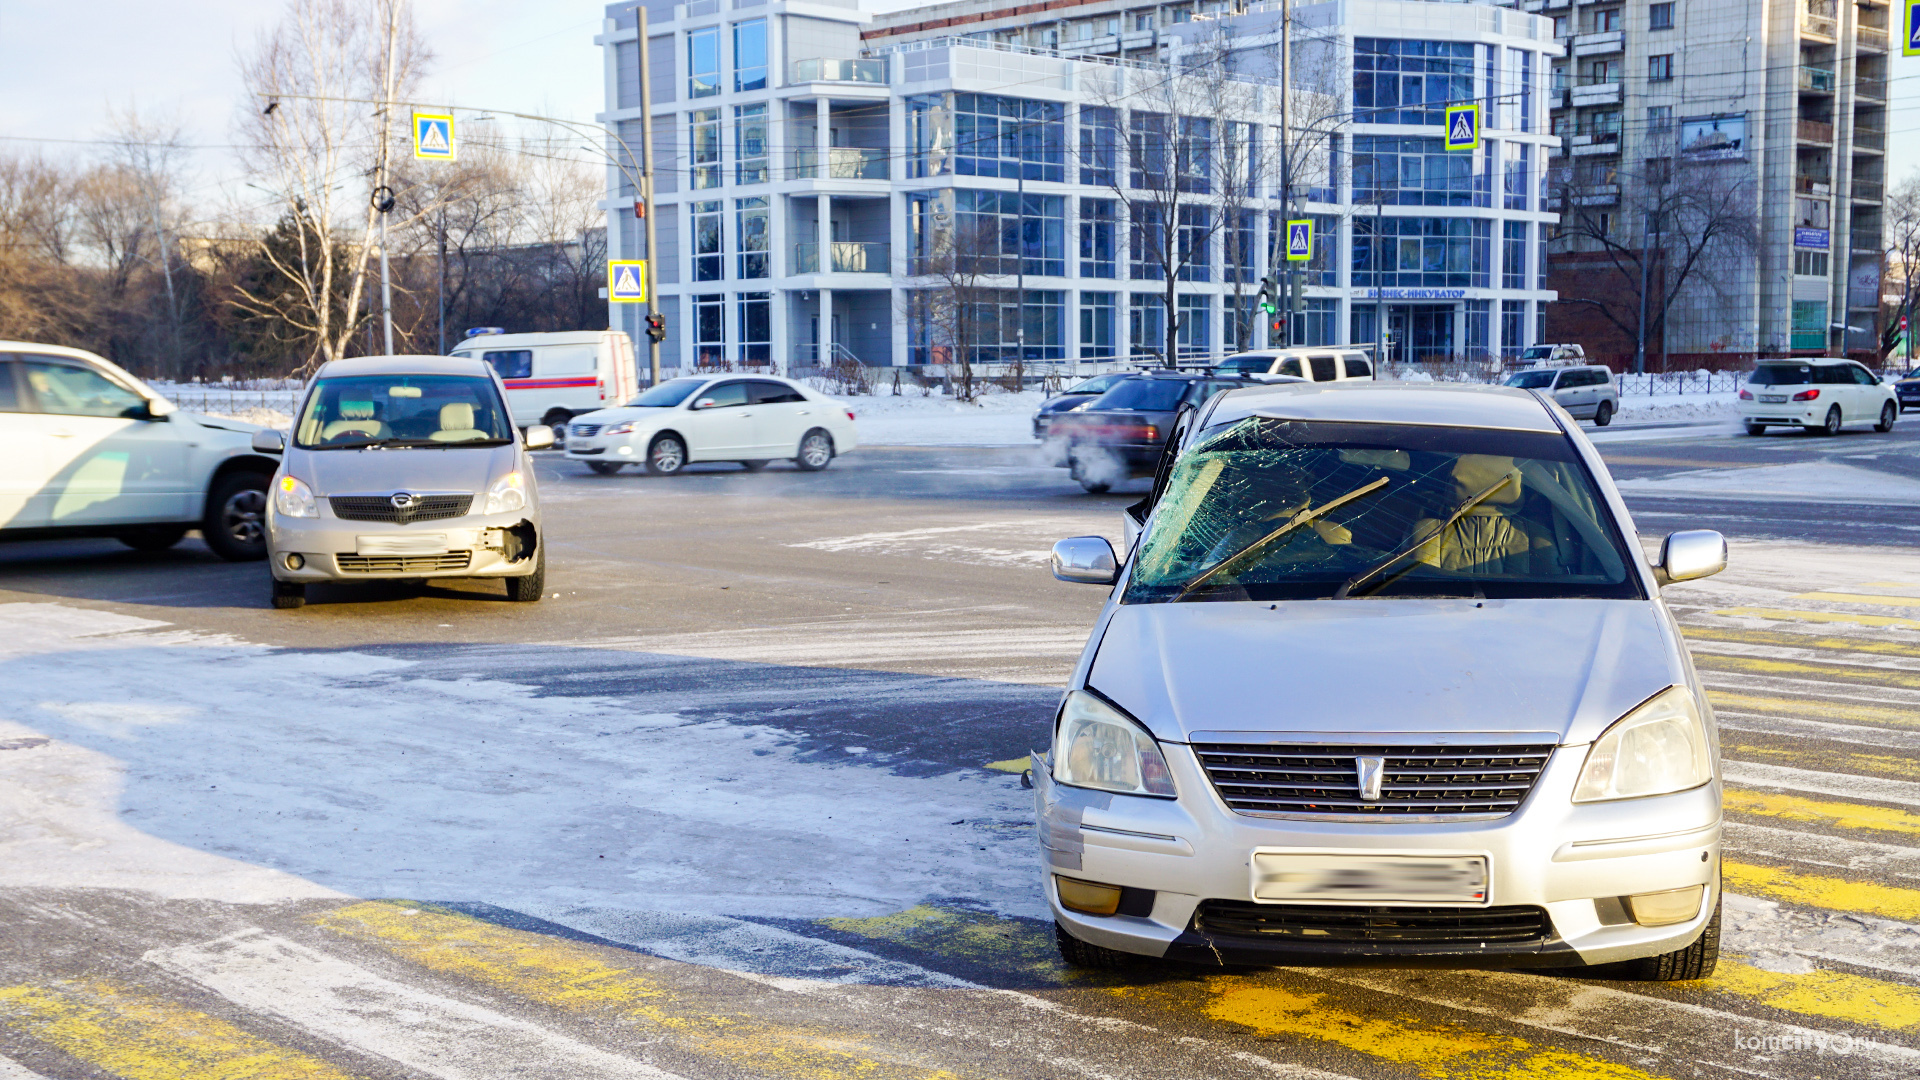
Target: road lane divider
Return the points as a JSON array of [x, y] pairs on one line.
[[1822, 891], [424, 1031], [135, 1035], [1896, 622], [1838, 815]]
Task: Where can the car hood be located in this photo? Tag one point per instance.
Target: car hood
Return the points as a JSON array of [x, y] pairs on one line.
[[223, 423], [1570, 667], [351, 472]]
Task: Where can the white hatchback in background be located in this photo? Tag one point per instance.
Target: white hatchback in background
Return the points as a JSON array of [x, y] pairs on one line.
[[1315, 364], [1587, 392], [551, 378], [751, 419], [1819, 395]]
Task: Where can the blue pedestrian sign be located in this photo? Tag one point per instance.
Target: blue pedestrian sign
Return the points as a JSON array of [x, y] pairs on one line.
[[433, 136], [1463, 127], [1300, 240], [1911, 46], [627, 281]]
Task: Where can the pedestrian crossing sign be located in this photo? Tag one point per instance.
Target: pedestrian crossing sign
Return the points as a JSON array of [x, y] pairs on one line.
[[1300, 240], [433, 136], [1463, 127], [627, 281], [1911, 45]]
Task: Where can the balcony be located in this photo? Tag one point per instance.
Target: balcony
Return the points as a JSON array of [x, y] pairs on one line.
[[1599, 142], [1600, 44], [1871, 38], [843, 71], [1816, 80], [1869, 138], [1868, 190], [1599, 94], [1865, 241], [848, 258], [843, 163], [1866, 86], [1811, 185], [1820, 18], [1815, 131], [1598, 195]]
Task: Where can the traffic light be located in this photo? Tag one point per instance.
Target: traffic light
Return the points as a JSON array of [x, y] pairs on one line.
[[1270, 294], [656, 328]]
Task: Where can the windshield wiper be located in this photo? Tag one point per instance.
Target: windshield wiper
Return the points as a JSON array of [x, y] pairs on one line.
[[1304, 517], [1346, 589]]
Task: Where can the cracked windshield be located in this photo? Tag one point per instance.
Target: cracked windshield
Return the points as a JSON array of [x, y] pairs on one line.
[[1268, 509]]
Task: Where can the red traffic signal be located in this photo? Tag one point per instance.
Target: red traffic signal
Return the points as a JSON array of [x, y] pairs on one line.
[[656, 328], [640, 208]]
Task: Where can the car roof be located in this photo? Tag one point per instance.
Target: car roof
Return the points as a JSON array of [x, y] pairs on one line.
[[557, 337], [402, 365], [1366, 401], [1796, 361], [1187, 376]]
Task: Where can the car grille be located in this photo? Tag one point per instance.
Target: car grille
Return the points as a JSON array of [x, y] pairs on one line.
[[1408, 925], [403, 564], [581, 431], [381, 508], [1323, 781]]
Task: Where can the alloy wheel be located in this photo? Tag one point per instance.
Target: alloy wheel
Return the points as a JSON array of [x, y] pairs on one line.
[[244, 516], [815, 451]]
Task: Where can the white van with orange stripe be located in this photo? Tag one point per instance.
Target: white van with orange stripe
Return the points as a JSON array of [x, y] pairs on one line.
[[551, 378]]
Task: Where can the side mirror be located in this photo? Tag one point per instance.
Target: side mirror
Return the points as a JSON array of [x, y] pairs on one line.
[[269, 441], [1685, 556], [539, 437], [1085, 560], [705, 403], [159, 408]]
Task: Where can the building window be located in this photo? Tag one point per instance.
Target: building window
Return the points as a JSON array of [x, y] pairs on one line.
[[1097, 239], [1479, 314], [1143, 22], [1195, 332], [1603, 21], [1526, 89], [1659, 16], [1149, 144], [750, 234], [1418, 171], [1145, 238], [1099, 144], [1513, 328], [1660, 68], [1004, 137], [1810, 263], [704, 146], [709, 330], [1540, 279], [929, 135], [1513, 256], [998, 229], [1600, 72], [1147, 324], [1810, 213], [703, 62], [1240, 161], [1601, 126], [1193, 155], [1659, 119], [1412, 252], [1317, 322], [1809, 324], [1239, 323], [1239, 246], [1194, 240], [1560, 26], [708, 258], [753, 317], [750, 143], [750, 55], [1409, 82], [1519, 165], [1096, 326], [1044, 313]]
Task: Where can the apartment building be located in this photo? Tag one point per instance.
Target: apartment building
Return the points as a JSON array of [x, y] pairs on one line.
[[810, 157], [1782, 102]]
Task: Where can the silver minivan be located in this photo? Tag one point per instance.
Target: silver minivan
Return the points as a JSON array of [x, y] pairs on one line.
[[1384, 678], [1586, 391], [409, 468]]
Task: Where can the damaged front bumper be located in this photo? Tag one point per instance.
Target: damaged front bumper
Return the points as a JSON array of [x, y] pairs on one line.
[[307, 550]]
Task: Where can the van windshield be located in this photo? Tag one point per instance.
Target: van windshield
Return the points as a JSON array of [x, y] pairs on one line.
[[668, 394], [429, 411], [1781, 375], [1537, 352], [1500, 514]]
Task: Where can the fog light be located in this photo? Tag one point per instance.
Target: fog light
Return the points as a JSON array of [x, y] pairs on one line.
[[1087, 897], [294, 560], [1666, 907], [625, 450]]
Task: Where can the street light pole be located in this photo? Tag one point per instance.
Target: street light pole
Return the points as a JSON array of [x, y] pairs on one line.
[[646, 181]]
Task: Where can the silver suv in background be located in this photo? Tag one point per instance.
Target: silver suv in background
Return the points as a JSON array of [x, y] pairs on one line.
[[1587, 391]]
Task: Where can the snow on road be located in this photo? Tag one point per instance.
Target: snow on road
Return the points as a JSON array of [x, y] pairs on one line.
[[1804, 481]]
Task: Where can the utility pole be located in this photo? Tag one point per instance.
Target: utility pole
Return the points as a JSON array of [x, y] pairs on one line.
[[646, 181], [443, 277], [1286, 154], [1020, 266], [386, 149], [1646, 256]]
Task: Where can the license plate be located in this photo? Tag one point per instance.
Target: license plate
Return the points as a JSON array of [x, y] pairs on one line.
[[1773, 399], [1372, 879], [410, 544]]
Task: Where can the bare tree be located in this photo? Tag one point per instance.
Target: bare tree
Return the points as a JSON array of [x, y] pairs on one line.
[[1902, 239], [148, 157], [959, 312]]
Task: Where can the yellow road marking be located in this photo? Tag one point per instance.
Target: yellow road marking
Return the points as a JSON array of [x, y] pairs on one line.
[[1839, 815], [577, 978], [976, 936], [1861, 598], [1754, 665], [1799, 641], [139, 1037], [1887, 765], [1012, 765], [1876, 715], [1832, 994], [1791, 615], [1430, 1048], [1824, 891]]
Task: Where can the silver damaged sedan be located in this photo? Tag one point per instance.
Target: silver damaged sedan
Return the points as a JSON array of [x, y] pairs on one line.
[[1385, 679]]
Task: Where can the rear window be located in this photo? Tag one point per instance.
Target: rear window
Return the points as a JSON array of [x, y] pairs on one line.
[[1781, 375], [1146, 395], [1099, 384], [1358, 368], [1323, 370]]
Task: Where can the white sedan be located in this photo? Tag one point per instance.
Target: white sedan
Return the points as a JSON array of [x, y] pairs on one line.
[[751, 419], [1820, 395]]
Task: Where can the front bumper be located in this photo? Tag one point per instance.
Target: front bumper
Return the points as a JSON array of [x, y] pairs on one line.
[[1549, 854], [330, 549]]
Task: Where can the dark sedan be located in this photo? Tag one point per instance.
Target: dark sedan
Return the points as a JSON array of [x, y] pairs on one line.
[[1072, 398], [1120, 435], [1908, 387]]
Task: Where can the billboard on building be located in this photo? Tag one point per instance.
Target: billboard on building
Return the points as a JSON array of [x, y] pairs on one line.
[[1714, 138], [1863, 283]]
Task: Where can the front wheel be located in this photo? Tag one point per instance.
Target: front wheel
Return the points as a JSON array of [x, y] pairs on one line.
[[1888, 414], [1832, 426], [289, 594], [530, 587], [153, 537], [235, 524], [604, 468], [1081, 954], [1603, 415], [816, 451], [666, 455]]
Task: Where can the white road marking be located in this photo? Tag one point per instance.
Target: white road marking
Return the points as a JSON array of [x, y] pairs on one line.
[[1841, 785], [11, 1070], [436, 1035], [1833, 655], [1816, 849], [1904, 741]]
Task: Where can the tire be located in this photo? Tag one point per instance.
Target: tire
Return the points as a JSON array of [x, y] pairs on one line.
[[1833, 424], [153, 537], [604, 468], [1888, 414], [1756, 429], [816, 451], [235, 524], [1080, 954], [754, 466], [1603, 415], [1096, 487], [530, 587], [289, 594], [1093, 487], [1696, 961], [666, 455]]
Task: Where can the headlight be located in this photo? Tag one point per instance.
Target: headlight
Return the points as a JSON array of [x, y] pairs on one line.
[[624, 427], [508, 493], [293, 499], [1098, 746], [1658, 748]]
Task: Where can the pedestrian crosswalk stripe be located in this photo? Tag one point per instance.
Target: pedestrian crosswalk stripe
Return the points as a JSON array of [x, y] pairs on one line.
[[1850, 855], [1877, 715], [1755, 774], [13, 1070], [1835, 995], [1822, 891], [136, 1036], [1799, 641], [435, 1035], [1888, 765], [1792, 615], [1756, 665], [1839, 815], [1862, 598], [962, 934]]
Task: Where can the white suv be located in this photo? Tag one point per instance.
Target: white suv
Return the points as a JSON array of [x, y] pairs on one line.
[[1587, 391], [88, 450], [1818, 395]]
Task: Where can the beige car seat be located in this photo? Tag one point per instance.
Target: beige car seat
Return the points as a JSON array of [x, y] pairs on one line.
[[356, 418], [456, 424], [1486, 538]]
